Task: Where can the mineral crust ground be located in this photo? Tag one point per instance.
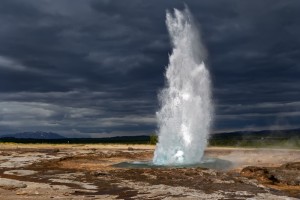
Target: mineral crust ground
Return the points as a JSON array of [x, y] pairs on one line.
[[44, 171]]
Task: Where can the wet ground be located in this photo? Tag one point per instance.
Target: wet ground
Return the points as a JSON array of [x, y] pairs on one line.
[[89, 172]]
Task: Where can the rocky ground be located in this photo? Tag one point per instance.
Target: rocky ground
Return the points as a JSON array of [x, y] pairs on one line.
[[87, 172]]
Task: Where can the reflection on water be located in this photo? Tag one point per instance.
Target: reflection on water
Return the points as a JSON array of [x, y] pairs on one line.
[[211, 163]]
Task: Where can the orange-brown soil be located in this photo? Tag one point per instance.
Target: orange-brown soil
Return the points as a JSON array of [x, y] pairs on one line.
[[87, 172]]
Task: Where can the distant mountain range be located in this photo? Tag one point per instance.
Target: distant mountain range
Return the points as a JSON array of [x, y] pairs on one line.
[[34, 135], [238, 135]]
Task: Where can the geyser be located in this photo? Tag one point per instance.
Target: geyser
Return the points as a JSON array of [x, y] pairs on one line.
[[185, 116]]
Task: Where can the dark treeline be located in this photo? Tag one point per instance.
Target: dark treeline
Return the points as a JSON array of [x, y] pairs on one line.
[[265, 138], [287, 138], [119, 140]]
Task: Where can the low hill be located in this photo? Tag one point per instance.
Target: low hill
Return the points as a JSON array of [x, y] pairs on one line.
[[264, 138], [34, 135], [264, 134]]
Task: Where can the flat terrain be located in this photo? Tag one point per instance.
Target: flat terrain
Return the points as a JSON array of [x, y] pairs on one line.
[[87, 172]]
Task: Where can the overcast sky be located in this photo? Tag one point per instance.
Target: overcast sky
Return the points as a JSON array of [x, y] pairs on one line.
[[93, 68]]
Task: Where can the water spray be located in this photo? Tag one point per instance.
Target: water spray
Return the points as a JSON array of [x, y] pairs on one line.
[[185, 116]]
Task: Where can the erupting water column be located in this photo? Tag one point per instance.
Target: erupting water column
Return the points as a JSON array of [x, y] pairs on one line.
[[185, 117]]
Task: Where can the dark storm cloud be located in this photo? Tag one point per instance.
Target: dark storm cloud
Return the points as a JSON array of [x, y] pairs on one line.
[[93, 68]]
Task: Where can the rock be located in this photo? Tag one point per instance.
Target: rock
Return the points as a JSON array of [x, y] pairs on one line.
[[291, 166], [10, 184], [21, 193], [55, 150], [99, 173], [288, 174], [20, 172], [130, 149], [260, 173]]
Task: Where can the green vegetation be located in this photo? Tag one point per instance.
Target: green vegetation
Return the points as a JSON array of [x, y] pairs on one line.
[[261, 139], [153, 139]]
